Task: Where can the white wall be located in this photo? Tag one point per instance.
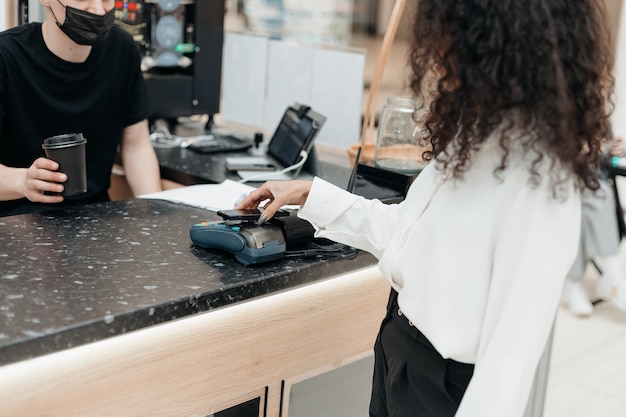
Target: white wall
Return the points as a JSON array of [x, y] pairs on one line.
[[35, 11], [262, 76], [3, 15]]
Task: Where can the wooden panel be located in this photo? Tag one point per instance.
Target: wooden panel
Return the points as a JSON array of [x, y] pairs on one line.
[[189, 366]]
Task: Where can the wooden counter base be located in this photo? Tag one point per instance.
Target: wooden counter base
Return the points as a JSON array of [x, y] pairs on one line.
[[205, 363]]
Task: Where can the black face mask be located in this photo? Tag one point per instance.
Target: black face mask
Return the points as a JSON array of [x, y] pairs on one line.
[[85, 28]]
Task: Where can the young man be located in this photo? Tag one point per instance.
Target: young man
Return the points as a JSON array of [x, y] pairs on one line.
[[75, 72]]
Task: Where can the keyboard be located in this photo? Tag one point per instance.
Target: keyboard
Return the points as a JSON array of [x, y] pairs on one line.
[[219, 143]]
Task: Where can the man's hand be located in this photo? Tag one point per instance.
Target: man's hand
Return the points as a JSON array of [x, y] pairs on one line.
[[41, 176]]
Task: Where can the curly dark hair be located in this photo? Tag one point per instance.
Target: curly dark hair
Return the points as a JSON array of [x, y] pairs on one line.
[[547, 61]]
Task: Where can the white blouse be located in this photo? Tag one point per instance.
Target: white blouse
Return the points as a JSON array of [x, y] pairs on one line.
[[479, 264]]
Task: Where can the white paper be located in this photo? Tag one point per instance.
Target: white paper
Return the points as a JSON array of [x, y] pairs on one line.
[[223, 196]]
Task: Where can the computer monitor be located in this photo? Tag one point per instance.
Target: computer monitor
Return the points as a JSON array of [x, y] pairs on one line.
[[181, 46]]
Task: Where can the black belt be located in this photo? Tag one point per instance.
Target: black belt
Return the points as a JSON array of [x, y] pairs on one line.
[[394, 311]]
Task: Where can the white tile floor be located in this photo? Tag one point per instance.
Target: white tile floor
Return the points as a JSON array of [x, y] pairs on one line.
[[588, 366]]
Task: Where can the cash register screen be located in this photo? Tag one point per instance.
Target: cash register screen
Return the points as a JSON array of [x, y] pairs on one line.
[[292, 135]]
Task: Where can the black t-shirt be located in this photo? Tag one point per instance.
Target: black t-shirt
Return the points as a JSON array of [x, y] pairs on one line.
[[42, 95]]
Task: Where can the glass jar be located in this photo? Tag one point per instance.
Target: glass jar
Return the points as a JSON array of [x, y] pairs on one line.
[[400, 140]]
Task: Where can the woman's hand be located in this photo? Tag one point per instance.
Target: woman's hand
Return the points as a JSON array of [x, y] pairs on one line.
[[41, 176], [279, 193]]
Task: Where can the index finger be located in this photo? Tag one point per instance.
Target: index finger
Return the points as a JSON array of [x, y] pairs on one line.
[[45, 163], [254, 198]]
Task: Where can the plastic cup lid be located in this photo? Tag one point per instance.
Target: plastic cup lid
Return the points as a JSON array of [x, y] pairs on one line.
[[67, 139]]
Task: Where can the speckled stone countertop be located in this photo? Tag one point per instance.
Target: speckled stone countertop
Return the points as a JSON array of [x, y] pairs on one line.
[[188, 167], [72, 277]]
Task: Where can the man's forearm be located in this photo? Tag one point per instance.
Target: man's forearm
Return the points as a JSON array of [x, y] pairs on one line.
[[141, 168], [9, 180]]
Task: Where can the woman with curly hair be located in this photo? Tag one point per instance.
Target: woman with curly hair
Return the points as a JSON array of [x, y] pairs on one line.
[[478, 252]]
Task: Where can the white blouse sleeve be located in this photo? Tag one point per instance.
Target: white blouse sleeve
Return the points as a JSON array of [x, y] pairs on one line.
[[530, 263], [369, 225]]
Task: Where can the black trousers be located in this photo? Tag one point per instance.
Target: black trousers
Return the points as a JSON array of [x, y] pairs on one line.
[[410, 376]]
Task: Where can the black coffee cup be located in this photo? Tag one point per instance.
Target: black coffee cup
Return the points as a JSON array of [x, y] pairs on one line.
[[68, 151]]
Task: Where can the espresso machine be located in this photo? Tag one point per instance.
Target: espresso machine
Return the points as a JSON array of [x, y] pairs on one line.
[[180, 42]]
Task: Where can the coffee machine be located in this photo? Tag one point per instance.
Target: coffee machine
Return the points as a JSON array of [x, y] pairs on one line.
[[180, 42]]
